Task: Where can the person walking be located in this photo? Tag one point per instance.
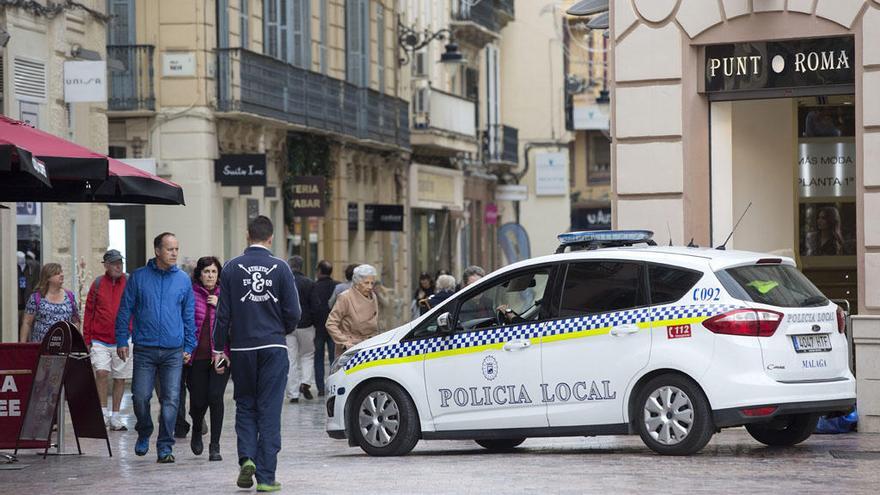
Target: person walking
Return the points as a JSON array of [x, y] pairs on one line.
[[99, 334], [47, 305], [322, 290], [158, 305], [420, 298], [258, 306], [301, 343], [206, 384], [343, 286], [355, 316]]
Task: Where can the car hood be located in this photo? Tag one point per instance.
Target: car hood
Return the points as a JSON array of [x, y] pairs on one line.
[[383, 338]]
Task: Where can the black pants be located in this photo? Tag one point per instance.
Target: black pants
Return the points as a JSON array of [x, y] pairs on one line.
[[322, 342], [206, 389]]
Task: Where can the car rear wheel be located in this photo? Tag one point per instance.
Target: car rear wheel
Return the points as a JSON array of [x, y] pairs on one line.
[[500, 444], [784, 431], [673, 416], [384, 420]]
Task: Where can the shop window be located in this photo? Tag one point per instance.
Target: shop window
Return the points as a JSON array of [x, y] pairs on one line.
[[598, 159]]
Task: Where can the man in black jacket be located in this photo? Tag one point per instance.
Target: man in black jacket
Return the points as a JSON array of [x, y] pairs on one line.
[[258, 306], [322, 291], [301, 344]]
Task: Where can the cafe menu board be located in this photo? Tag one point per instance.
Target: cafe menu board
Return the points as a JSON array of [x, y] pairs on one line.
[[43, 403]]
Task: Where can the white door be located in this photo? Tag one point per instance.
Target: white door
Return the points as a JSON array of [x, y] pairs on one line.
[[487, 373], [600, 341]]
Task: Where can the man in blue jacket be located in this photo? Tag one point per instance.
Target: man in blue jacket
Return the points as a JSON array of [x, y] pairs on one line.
[[258, 305], [158, 303]]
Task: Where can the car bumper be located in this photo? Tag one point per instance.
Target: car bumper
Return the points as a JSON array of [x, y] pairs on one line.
[[335, 404], [735, 416]]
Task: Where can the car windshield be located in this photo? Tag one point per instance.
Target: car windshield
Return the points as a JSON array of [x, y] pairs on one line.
[[777, 285]]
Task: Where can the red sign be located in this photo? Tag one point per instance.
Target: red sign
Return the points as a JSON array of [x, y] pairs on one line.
[[17, 365], [678, 332], [491, 213]]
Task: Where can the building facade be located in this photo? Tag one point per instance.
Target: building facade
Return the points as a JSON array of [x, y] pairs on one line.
[[241, 101], [763, 110], [34, 45]]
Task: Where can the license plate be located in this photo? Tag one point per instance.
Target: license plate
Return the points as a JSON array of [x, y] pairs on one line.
[[811, 343]]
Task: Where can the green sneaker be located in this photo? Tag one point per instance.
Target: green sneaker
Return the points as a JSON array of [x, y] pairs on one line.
[[274, 487], [246, 474]]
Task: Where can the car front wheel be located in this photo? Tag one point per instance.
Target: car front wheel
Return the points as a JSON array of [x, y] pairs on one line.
[[673, 416], [384, 420], [784, 431]]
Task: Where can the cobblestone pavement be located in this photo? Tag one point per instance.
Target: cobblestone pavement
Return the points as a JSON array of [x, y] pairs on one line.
[[311, 462]]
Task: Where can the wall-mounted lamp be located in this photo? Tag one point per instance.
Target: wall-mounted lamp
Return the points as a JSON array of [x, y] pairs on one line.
[[411, 41]]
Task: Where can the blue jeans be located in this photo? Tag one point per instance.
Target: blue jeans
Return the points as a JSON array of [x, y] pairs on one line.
[[322, 341], [168, 363], [260, 377]]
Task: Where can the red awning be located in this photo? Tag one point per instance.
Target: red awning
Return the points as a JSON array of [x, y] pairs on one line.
[[63, 159]]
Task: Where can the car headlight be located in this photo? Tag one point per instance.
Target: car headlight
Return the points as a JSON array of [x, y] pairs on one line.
[[341, 361]]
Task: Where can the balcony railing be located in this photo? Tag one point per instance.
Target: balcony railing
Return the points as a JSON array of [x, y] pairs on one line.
[[436, 109], [131, 78], [481, 12], [258, 84], [501, 144]]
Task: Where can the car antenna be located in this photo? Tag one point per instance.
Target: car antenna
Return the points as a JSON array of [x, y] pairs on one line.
[[724, 246], [691, 244], [669, 231]]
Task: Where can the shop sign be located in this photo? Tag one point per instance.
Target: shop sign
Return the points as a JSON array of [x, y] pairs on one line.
[[780, 64], [383, 217], [85, 81], [240, 170], [28, 213], [590, 117], [308, 195], [512, 192], [551, 170], [491, 214], [827, 169]]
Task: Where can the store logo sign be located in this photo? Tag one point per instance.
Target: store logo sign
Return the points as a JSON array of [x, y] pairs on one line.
[[240, 170]]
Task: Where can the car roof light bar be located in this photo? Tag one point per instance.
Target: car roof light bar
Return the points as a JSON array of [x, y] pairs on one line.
[[597, 239]]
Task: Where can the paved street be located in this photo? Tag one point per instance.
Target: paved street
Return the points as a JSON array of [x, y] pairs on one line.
[[311, 462]]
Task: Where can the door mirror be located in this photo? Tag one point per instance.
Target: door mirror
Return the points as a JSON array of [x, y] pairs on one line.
[[443, 323]]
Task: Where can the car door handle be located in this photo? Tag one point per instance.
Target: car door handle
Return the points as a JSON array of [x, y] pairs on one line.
[[516, 345], [625, 329]]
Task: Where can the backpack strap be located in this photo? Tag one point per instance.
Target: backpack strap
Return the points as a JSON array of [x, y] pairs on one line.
[[97, 282], [37, 299], [72, 300]]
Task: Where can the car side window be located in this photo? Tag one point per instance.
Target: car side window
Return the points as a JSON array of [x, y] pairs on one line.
[[509, 301], [669, 284], [601, 286]]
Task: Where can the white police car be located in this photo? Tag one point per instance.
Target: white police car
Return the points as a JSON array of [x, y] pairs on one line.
[[672, 343]]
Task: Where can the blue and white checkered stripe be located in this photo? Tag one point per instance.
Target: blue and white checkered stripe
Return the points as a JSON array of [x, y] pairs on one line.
[[533, 330]]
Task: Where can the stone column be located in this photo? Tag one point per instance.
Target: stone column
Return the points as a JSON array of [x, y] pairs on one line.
[[866, 339]]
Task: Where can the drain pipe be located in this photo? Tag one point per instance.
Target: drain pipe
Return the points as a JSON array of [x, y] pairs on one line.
[[522, 173]]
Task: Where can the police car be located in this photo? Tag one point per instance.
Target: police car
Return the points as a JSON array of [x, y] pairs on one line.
[[615, 336]]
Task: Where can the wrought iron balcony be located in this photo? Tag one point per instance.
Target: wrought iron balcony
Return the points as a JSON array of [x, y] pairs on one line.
[[131, 78], [258, 84], [501, 145]]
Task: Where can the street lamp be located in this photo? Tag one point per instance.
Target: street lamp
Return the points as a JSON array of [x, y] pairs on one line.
[[411, 41]]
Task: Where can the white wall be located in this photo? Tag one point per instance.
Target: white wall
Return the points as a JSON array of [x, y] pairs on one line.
[[753, 160]]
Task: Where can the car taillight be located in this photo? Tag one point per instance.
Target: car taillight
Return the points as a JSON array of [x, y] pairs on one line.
[[759, 411], [748, 322], [841, 320]]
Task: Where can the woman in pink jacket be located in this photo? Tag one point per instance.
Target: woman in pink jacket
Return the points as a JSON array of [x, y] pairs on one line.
[[206, 384]]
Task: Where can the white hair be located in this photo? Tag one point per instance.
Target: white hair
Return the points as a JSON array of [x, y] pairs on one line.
[[445, 282], [361, 272]]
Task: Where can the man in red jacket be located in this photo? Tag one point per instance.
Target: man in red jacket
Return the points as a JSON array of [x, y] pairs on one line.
[[99, 333]]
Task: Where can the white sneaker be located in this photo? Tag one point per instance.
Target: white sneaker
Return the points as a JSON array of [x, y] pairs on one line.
[[116, 424]]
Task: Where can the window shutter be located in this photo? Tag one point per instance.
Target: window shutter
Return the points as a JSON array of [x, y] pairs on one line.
[[418, 64], [270, 31], [121, 25], [2, 82], [29, 79], [380, 46]]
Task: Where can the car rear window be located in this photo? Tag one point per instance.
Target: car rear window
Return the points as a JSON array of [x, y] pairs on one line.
[[777, 285], [669, 284]]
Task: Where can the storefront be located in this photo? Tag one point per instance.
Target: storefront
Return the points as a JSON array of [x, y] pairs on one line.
[[767, 111], [436, 206]]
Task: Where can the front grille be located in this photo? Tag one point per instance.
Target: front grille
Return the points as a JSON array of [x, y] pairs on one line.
[[331, 404]]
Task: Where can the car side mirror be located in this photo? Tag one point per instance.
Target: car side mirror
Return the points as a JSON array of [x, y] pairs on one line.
[[443, 323]]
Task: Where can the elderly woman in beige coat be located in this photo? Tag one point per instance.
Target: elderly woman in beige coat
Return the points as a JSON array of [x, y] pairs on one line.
[[355, 316]]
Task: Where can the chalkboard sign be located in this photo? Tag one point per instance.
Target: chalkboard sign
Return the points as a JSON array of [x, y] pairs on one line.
[[43, 403]]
